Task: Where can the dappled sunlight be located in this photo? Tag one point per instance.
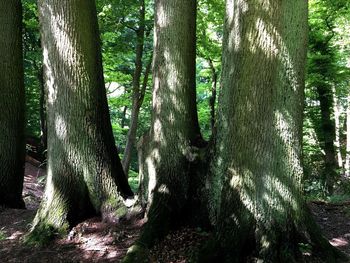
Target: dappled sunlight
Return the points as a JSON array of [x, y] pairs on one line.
[[15, 235], [162, 17], [233, 13], [163, 189], [61, 127], [50, 80], [265, 40], [261, 132], [339, 242]]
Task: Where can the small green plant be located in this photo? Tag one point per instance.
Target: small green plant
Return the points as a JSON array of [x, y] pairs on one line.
[[338, 198], [314, 190], [305, 248], [2, 234]]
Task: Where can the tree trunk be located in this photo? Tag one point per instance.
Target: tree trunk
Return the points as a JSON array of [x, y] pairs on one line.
[[258, 150], [43, 121], [347, 156], [337, 112], [175, 132], [329, 174], [136, 103], [12, 142], [84, 173], [212, 100]]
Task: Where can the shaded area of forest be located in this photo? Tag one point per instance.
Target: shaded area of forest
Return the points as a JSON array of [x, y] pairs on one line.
[[93, 241]]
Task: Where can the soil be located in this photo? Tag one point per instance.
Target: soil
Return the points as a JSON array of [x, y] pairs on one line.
[[96, 241]]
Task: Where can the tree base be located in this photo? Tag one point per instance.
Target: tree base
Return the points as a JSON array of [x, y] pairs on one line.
[[317, 249], [43, 234], [137, 253]]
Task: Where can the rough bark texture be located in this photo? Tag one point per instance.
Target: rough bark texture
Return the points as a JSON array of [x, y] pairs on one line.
[[12, 122], [169, 151], [84, 173], [259, 133]]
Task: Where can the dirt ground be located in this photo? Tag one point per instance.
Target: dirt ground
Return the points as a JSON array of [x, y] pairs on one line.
[[95, 241]]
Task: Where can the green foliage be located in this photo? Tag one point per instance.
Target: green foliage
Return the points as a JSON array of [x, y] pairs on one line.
[[118, 22], [338, 198], [2, 235], [209, 41], [32, 66], [133, 180], [305, 248], [328, 68]]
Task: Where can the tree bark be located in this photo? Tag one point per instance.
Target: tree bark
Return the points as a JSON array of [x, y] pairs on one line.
[[12, 142], [258, 144], [84, 173], [175, 134]]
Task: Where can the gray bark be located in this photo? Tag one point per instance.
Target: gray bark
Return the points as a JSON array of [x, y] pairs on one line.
[[168, 151], [84, 173], [12, 142], [259, 133]]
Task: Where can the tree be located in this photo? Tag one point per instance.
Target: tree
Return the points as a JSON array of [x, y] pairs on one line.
[[170, 148], [138, 90], [258, 150], [127, 50], [12, 147], [327, 77], [84, 173], [209, 44], [33, 77]]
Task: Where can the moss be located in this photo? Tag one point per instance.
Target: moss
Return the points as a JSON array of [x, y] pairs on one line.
[[137, 254], [2, 235], [121, 212], [112, 202], [43, 234]]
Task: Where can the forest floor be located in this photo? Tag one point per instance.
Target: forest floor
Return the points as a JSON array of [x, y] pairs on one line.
[[96, 241]]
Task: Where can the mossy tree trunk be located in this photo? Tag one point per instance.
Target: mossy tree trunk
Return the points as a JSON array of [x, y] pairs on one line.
[[84, 173], [169, 149], [262, 213], [12, 121]]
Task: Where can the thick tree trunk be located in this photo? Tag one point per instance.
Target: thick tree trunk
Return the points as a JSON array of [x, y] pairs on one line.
[[84, 173], [258, 150], [136, 92], [329, 174], [12, 121], [175, 133]]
